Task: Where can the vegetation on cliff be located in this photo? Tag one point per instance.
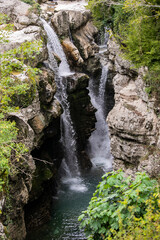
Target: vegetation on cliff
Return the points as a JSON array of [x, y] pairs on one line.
[[17, 90], [136, 26]]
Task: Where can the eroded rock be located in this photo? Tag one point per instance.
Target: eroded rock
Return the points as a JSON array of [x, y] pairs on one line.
[[133, 124], [69, 21]]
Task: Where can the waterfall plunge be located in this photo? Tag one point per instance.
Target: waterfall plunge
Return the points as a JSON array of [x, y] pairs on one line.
[[69, 165], [99, 143]]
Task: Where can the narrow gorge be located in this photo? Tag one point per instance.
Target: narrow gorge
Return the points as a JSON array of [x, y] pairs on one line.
[[75, 79]]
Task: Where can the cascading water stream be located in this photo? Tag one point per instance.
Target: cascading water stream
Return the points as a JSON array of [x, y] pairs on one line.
[[99, 143], [56, 48], [69, 166]]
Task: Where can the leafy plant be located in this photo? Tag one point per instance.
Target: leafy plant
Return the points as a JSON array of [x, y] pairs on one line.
[[146, 227], [4, 18], [114, 196], [31, 2]]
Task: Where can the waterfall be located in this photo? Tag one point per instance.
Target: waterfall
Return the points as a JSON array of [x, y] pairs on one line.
[[99, 143], [102, 85], [57, 49], [69, 165], [104, 40]]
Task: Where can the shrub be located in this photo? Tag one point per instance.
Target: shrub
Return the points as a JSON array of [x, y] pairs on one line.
[[146, 227], [114, 197]]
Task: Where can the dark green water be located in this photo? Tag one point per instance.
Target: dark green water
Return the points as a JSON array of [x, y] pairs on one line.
[[73, 197]]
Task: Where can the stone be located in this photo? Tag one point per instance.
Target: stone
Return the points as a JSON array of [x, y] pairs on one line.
[[19, 13], [29, 34], [119, 82], [47, 86], [55, 109], [82, 112], [2, 232], [72, 53], [84, 40], [37, 123], [69, 20], [38, 117]]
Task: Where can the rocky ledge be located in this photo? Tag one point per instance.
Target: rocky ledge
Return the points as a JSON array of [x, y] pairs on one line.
[[133, 123]]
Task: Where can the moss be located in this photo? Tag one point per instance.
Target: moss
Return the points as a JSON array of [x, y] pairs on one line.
[[42, 174]]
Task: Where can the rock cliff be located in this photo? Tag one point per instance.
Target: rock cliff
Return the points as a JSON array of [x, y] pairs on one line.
[[133, 122], [38, 111], [38, 119]]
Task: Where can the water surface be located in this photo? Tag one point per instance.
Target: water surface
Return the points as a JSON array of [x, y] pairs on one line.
[[73, 197]]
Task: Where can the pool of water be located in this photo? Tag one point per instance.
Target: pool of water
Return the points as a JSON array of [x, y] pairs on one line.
[[73, 197]]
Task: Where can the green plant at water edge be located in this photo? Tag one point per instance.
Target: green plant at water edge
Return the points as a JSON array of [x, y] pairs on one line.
[[114, 197], [17, 89]]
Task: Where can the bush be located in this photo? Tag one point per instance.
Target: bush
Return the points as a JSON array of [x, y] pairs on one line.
[[145, 228], [114, 197]]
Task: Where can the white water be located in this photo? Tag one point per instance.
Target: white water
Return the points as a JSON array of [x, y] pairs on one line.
[[56, 48], [69, 166], [99, 143]]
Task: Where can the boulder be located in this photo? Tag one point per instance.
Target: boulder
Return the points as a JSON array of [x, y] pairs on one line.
[[72, 53], [69, 21], [28, 34], [19, 12], [84, 40]]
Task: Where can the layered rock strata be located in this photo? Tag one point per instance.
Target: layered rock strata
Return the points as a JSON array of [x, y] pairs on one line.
[[133, 122]]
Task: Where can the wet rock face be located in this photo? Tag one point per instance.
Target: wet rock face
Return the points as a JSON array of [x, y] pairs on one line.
[[82, 113], [133, 124]]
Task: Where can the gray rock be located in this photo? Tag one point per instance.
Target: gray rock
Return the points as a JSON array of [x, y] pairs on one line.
[[69, 20], [133, 125]]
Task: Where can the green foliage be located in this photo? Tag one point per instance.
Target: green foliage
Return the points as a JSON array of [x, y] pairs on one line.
[[114, 197], [35, 9], [4, 18], [145, 228], [11, 84], [105, 15], [17, 89], [9, 147], [31, 2], [5, 28]]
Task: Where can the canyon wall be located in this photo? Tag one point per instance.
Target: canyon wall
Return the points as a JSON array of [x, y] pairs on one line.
[[38, 120], [134, 123]]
